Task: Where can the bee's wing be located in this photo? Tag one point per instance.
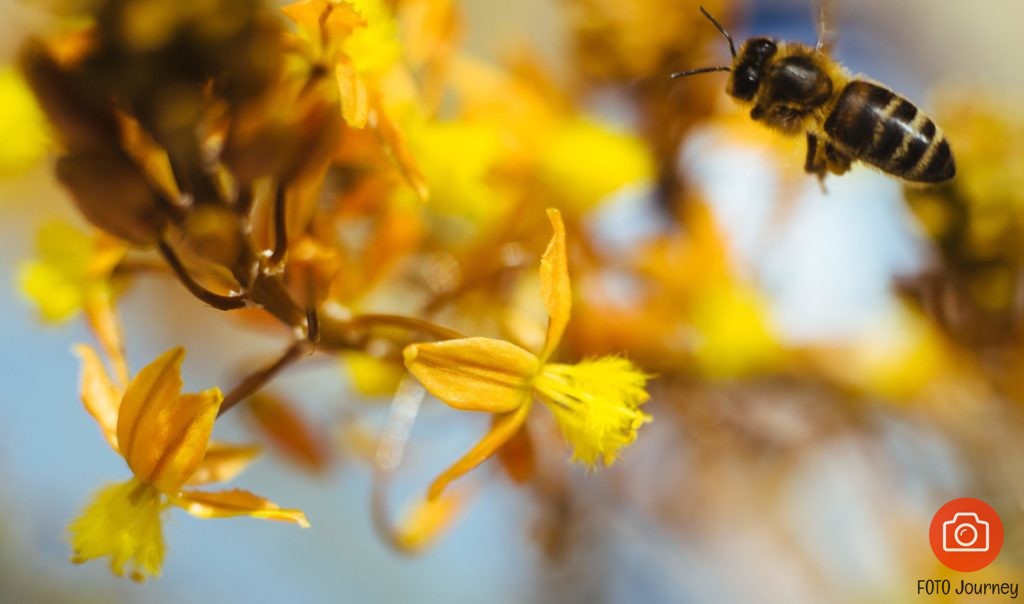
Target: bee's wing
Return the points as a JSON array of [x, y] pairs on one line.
[[823, 18]]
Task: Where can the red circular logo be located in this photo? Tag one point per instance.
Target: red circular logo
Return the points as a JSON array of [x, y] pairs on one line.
[[966, 534]]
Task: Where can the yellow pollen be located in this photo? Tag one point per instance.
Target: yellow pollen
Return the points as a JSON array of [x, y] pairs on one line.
[[596, 404]]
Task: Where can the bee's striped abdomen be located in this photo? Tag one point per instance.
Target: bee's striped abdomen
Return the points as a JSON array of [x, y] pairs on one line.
[[879, 127]]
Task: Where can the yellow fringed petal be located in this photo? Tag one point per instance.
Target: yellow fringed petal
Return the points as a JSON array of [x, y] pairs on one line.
[[222, 462], [474, 374], [99, 395], [555, 288], [596, 404], [504, 428], [122, 521], [236, 502]]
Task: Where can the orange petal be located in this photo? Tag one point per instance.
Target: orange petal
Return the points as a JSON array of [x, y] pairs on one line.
[[397, 146], [355, 99], [554, 285], [223, 462], [163, 434], [289, 431], [474, 374], [306, 13], [101, 314], [161, 379], [517, 456], [99, 395], [236, 502], [176, 439], [504, 428], [336, 19], [427, 519]]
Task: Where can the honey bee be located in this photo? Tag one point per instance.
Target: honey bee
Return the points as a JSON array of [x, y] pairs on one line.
[[796, 88]]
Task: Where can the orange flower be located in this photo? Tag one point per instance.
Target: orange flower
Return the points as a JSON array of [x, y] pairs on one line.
[[164, 437]]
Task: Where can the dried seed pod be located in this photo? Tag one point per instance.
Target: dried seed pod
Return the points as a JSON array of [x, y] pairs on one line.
[[212, 233], [113, 194], [81, 125]]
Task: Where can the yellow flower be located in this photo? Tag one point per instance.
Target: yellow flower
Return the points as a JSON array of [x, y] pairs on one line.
[[358, 41], [164, 437], [374, 48], [595, 402], [72, 271]]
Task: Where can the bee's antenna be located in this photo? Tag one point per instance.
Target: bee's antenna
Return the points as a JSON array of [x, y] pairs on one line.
[[732, 46], [690, 72]]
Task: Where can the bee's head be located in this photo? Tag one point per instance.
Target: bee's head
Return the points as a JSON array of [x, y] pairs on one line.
[[748, 67], [747, 64]]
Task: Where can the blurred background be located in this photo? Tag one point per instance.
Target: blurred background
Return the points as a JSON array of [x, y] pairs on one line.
[[799, 459]]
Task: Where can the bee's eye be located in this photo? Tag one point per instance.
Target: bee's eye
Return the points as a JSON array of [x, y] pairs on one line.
[[745, 82], [747, 72]]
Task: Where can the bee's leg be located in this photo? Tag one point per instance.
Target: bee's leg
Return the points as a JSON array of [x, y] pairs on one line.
[[838, 162], [816, 162]]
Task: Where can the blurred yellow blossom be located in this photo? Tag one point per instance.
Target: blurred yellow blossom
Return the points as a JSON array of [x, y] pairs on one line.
[[460, 161], [373, 48], [580, 160], [72, 270], [586, 161], [22, 126], [897, 357], [372, 376], [733, 331]]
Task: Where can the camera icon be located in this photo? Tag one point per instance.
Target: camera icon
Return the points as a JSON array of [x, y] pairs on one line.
[[965, 533]]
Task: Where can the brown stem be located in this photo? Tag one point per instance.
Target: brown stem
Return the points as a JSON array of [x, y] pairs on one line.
[[245, 200], [215, 300], [280, 228], [312, 325], [261, 377], [135, 266], [410, 323]]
